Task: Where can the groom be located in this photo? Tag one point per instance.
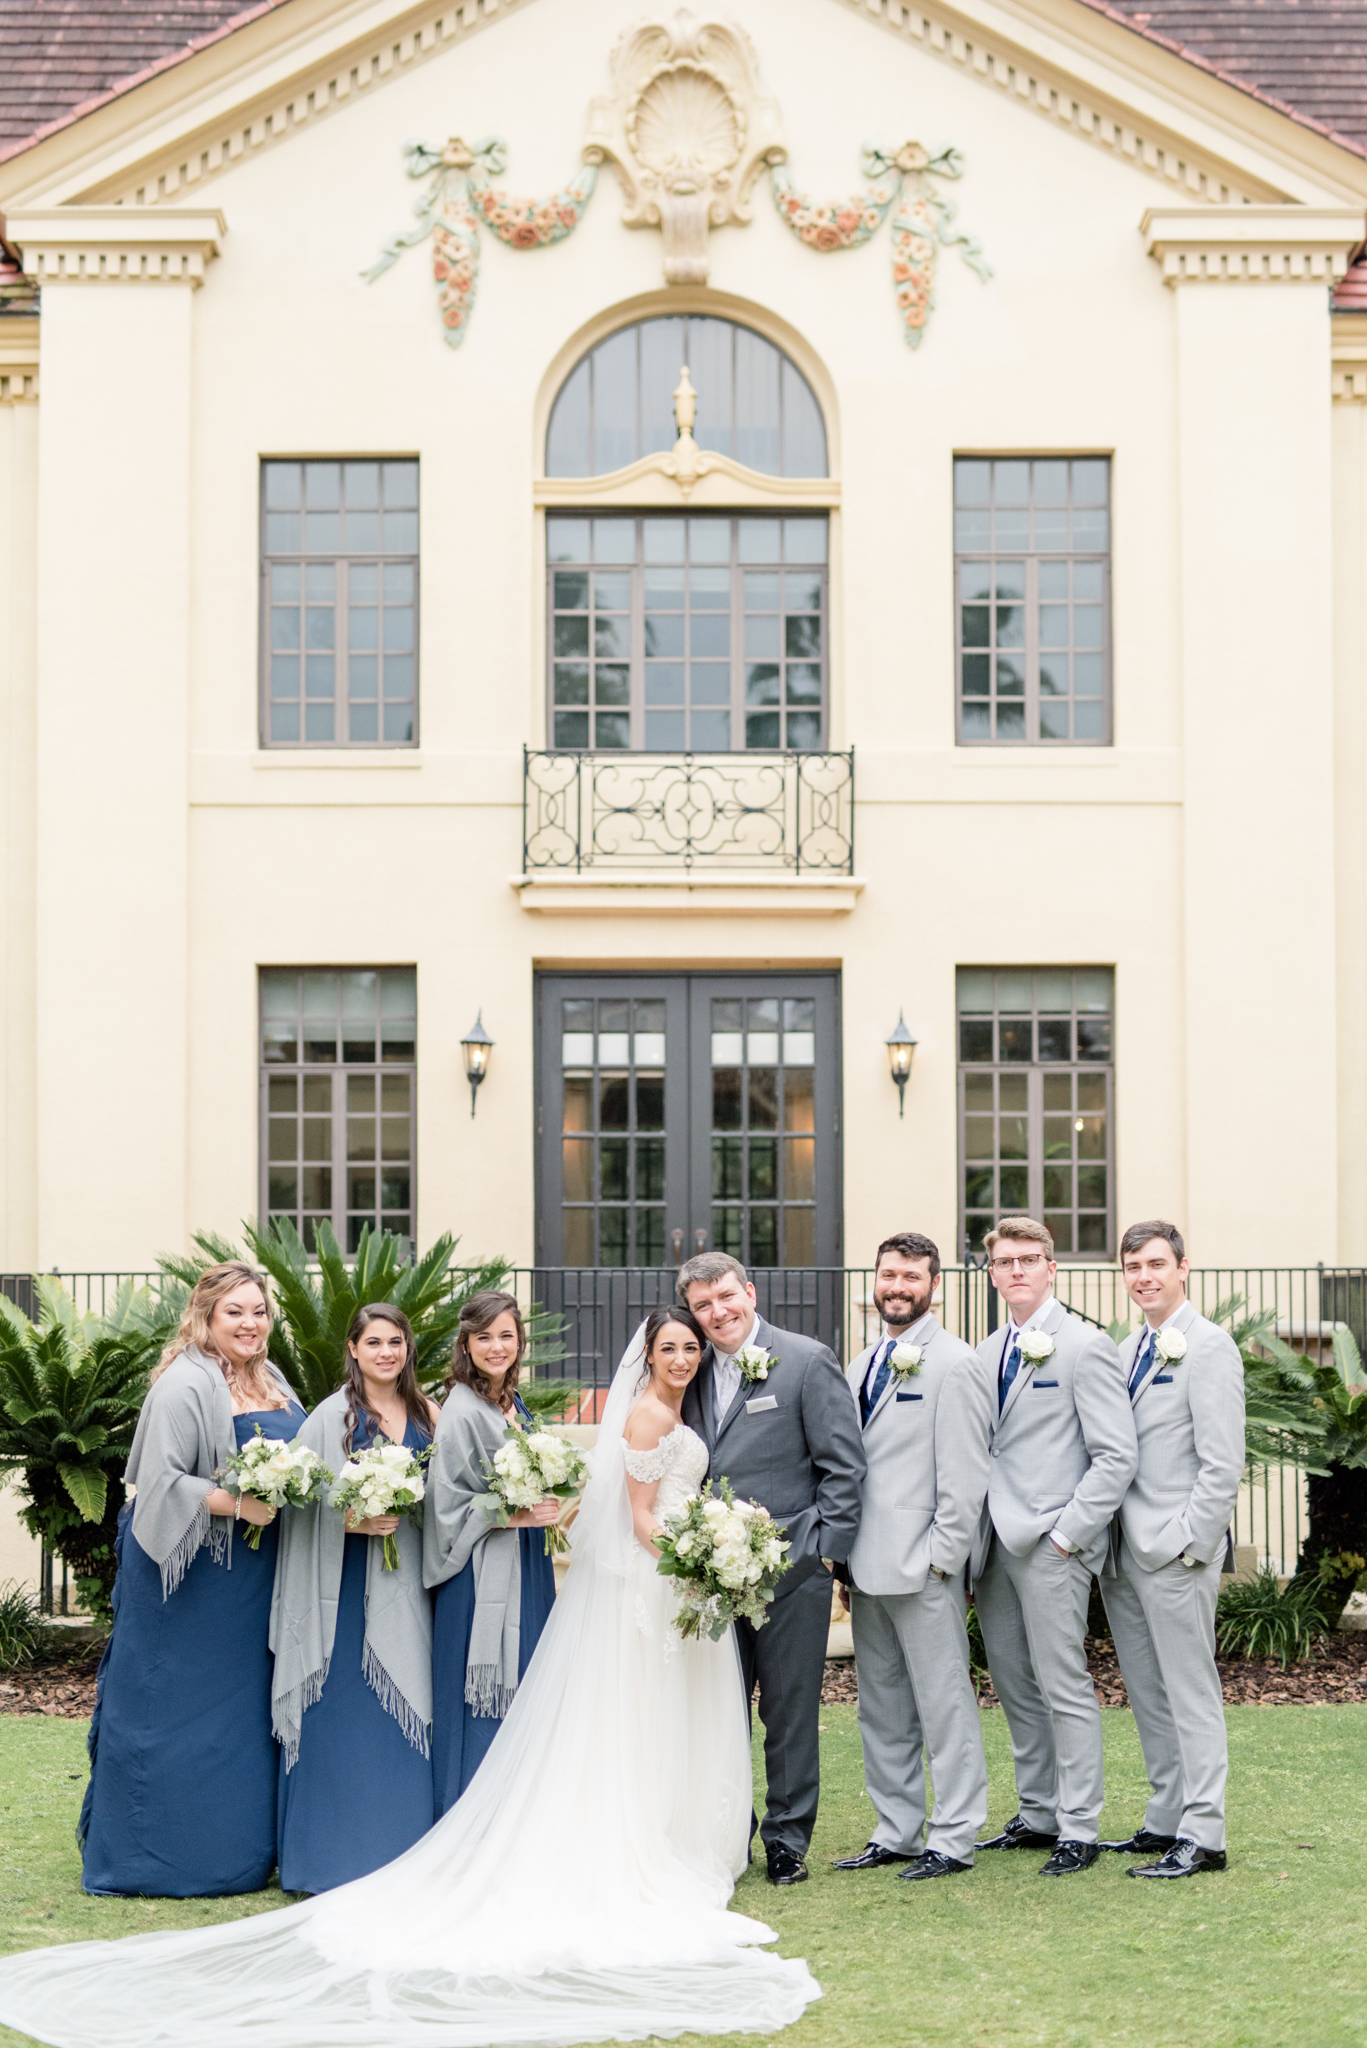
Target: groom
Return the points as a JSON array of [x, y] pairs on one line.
[[782, 1426]]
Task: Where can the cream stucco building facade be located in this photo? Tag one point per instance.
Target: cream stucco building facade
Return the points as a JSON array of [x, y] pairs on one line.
[[1146, 342]]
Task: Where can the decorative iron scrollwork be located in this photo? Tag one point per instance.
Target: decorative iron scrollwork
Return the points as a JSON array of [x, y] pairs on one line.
[[788, 811]]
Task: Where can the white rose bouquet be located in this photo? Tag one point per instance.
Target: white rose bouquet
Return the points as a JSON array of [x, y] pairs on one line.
[[280, 1474], [387, 1479], [727, 1555], [526, 1469]]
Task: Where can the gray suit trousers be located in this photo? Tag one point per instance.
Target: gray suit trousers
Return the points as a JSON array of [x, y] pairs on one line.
[[787, 1658], [1033, 1611], [915, 1694], [1163, 1623]]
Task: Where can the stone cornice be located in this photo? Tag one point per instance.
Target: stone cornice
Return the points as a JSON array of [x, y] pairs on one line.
[[115, 244], [1349, 342], [18, 361], [695, 892], [1252, 244]]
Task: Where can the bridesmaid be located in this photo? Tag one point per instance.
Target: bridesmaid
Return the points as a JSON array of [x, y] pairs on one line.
[[494, 1586], [182, 1793], [353, 1642]]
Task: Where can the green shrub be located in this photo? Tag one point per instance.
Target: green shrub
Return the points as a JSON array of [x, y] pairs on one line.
[[22, 1628], [1256, 1618]]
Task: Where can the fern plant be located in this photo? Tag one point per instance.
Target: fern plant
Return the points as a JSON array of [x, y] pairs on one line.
[[71, 1387]]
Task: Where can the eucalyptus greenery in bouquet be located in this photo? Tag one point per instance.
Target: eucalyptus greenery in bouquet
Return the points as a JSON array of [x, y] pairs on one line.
[[728, 1557]]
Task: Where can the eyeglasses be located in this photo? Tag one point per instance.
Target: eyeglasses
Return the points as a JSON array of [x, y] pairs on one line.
[[1027, 1264]]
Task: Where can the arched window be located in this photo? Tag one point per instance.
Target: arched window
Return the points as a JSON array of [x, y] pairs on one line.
[[754, 404]]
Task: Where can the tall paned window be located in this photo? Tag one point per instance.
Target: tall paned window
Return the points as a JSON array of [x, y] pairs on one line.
[[1036, 1103], [612, 1054], [703, 634], [338, 1076], [1032, 576], [339, 603], [763, 1129]]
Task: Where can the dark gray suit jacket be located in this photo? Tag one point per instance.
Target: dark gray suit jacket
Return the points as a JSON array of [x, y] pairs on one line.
[[792, 1442]]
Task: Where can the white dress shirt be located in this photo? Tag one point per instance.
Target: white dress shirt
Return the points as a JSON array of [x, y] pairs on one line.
[[726, 1375]]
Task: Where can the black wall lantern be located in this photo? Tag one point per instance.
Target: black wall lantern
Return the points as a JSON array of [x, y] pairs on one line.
[[901, 1045], [476, 1046]]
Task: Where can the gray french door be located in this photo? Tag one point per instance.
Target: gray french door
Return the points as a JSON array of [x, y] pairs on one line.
[[679, 1113]]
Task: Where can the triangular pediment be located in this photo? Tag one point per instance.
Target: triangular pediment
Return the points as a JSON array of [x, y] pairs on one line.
[[171, 138]]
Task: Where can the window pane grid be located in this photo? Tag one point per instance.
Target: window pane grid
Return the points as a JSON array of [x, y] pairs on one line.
[[763, 1057], [339, 603], [1032, 563], [612, 1055], [338, 1079], [700, 634], [1036, 1092]]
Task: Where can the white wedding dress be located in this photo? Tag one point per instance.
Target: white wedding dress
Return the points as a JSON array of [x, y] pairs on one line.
[[577, 1892]]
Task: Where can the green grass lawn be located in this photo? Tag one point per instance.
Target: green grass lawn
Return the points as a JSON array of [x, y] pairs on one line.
[[1270, 1952]]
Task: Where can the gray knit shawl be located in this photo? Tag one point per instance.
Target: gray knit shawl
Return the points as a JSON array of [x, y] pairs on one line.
[[184, 1438], [456, 1531], [397, 1658]]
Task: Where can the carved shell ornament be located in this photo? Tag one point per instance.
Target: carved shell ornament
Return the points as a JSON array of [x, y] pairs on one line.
[[687, 131]]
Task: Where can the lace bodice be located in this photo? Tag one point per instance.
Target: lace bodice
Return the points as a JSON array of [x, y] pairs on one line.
[[679, 1461]]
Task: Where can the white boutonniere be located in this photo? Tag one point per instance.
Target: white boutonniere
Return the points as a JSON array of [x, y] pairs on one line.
[[1171, 1347], [1036, 1346], [753, 1363], [904, 1361]]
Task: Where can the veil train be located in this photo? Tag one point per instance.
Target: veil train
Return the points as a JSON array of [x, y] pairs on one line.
[[577, 1892]]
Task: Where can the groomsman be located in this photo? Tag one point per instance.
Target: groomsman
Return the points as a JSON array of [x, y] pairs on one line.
[[1171, 1537], [779, 1422], [1063, 1453], [926, 1411]]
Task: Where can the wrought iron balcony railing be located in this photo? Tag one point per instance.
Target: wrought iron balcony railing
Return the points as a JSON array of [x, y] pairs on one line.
[[792, 812]]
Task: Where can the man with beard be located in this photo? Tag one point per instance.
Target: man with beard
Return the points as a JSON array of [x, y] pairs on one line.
[[926, 1410]]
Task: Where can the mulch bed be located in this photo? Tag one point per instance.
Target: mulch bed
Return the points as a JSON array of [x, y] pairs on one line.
[[65, 1686], [1337, 1677]]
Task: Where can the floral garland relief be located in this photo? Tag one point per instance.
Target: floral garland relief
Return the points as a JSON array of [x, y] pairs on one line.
[[923, 222], [458, 201]]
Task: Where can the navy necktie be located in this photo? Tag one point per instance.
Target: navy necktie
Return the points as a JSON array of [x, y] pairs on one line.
[[872, 1391], [1007, 1376], [1141, 1363]]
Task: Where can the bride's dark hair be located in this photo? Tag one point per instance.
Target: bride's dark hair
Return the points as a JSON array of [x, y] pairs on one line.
[[659, 1319]]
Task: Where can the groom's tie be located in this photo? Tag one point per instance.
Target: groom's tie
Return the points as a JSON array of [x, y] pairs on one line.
[[871, 1393], [1007, 1377], [1141, 1364]]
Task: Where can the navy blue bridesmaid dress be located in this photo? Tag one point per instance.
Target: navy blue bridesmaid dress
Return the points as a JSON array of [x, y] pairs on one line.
[[360, 1793], [182, 1793], [460, 1737]]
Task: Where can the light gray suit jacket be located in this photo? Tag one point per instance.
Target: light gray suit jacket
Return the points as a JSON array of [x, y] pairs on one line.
[[1063, 1449], [1189, 1420], [926, 1445], [791, 1442]]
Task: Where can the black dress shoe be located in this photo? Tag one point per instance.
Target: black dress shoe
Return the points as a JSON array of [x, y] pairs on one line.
[[786, 1867], [1018, 1835], [932, 1864], [1183, 1859], [1141, 1843], [872, 1858], [1069, 1857]]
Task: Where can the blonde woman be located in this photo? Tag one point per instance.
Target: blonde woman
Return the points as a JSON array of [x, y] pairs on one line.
[[182, 1795]]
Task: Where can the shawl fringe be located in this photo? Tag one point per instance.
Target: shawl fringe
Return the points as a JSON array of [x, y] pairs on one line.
[[418, 1731], [200, 1531], [287, 1713], [486, 1698]]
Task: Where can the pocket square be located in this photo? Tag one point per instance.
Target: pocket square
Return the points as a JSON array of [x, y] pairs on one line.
[[1044, 1383], [911, 1397], [1161, 1379], [758, 1406]]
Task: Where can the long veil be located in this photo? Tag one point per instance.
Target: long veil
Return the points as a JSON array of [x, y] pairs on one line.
[[561, 1900]]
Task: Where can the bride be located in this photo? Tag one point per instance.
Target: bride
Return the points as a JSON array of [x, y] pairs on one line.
[[576, 1892]]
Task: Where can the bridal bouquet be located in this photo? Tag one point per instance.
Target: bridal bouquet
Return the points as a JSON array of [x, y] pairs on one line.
[[728, 1556], [283, 1475], [527, 1469], [387, 1479]]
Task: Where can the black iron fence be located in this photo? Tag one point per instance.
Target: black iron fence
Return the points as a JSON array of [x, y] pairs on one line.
[[788, 811], [600, 1307]]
